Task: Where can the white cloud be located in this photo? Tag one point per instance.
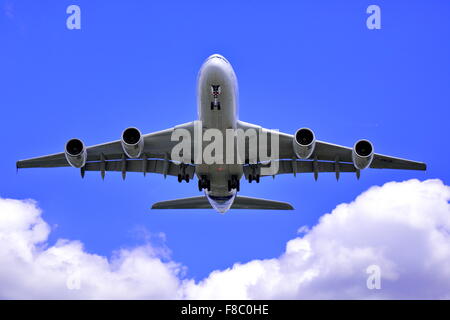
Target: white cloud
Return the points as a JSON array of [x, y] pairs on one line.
[[402, 227], [30, 269]]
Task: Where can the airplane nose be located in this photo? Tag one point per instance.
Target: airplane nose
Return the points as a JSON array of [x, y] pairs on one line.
[[217, 57], [216, 68]]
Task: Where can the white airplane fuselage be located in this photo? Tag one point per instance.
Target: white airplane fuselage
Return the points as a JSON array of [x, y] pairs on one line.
[[217, 102]]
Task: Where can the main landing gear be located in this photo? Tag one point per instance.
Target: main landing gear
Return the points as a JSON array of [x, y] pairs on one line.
[[234, 183], [253, 177], [254, 174], [204, 183], [183, 176]]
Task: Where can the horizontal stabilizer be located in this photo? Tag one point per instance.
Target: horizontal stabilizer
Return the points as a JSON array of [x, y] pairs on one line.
[[240, 202], [256, 203], [184, 203]]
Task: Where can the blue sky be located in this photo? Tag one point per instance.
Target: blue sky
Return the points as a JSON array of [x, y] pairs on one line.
[[135, 63]]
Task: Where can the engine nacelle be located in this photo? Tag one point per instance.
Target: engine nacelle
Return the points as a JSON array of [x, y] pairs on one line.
[[304, 143], [362, 154], [132, 142], [75, 153]]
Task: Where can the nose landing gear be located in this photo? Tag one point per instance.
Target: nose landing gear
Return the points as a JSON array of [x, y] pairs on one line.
[[215, 92]]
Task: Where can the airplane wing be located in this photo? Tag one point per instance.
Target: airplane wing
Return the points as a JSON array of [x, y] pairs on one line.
[[327, 157], [110, 156], [328, 151]]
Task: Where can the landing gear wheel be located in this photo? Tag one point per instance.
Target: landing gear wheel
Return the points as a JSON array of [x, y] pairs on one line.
[[204, 183], [252, 178], [215, 105], [233, 183], [184, 177]]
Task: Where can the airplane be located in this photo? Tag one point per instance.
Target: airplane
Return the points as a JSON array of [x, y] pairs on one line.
[[217, 103]]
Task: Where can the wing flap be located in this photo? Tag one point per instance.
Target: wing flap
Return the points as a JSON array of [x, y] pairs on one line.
[[305, 166], [151, 166]]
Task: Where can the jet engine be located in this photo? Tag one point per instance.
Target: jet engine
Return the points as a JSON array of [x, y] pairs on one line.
[[362, 154], [132, 142], [304, 142], [75, 153]]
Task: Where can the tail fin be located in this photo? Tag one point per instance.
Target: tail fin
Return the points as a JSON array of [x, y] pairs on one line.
[[240, 202]]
